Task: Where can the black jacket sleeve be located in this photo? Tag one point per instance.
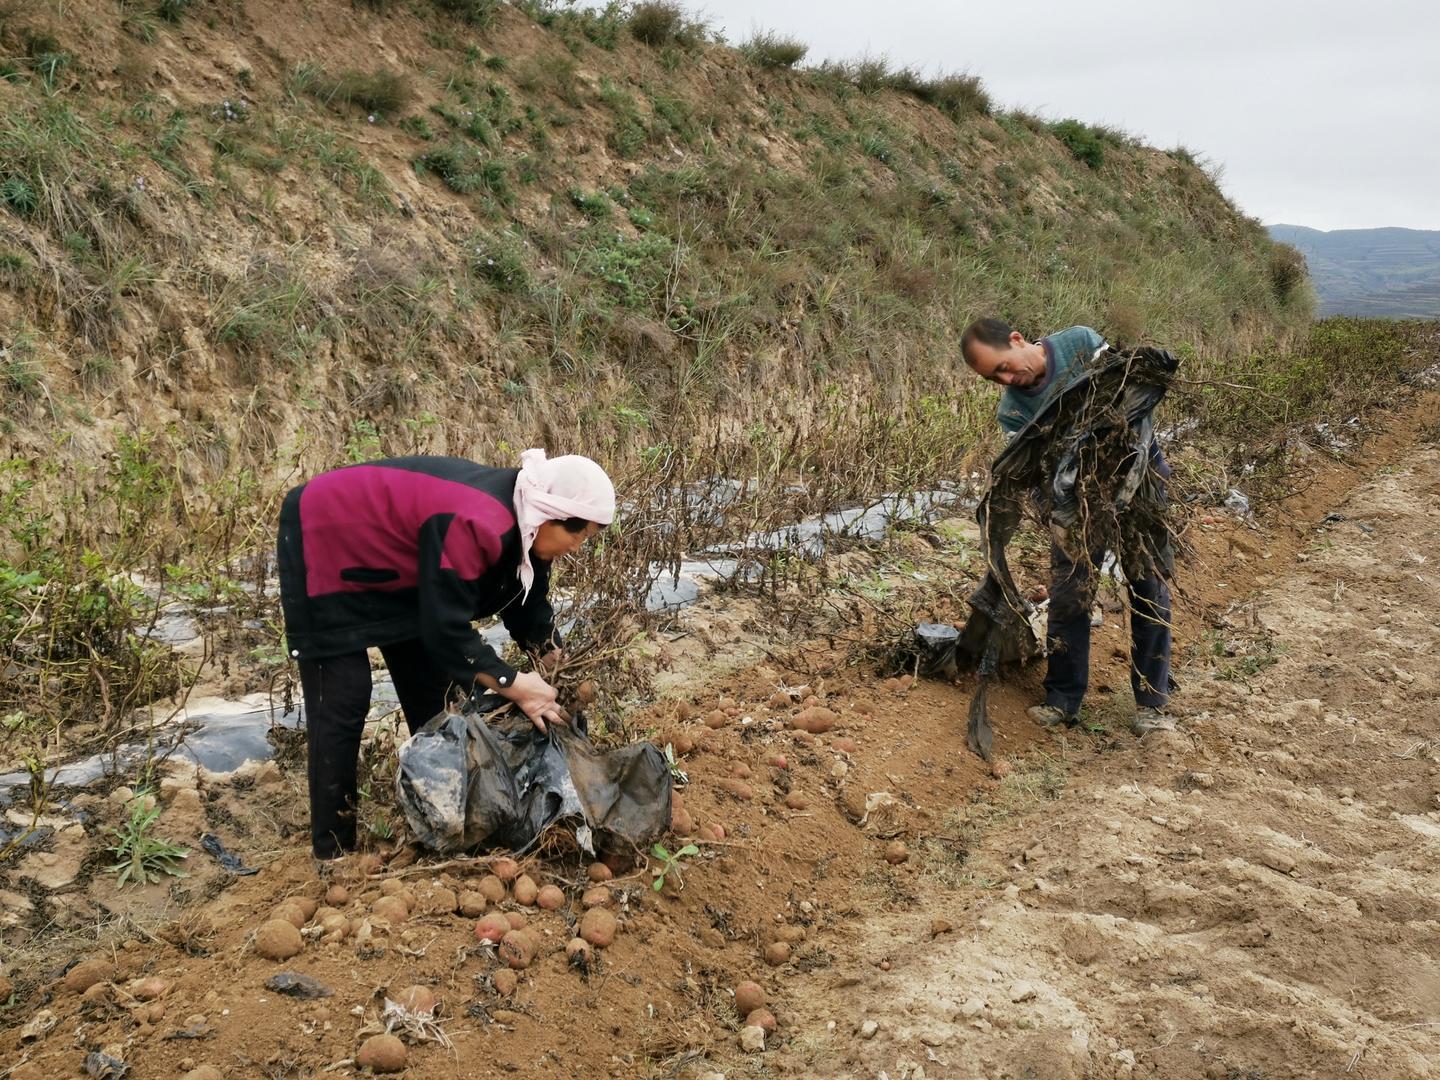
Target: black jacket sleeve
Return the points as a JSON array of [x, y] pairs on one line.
[[532, 624], [447, 603]]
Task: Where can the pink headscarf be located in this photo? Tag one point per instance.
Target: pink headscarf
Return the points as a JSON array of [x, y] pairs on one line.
[[569, 486]]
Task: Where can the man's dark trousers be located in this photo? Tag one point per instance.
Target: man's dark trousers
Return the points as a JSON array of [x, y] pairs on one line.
[[1068, 630]]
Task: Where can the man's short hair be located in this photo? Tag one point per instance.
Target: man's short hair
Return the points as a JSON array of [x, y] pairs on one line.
[[993, 332]]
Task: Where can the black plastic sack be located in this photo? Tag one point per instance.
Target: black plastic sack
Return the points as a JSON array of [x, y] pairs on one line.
[[464, 784]]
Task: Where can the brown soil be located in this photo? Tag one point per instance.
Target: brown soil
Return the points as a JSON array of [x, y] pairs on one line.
[[1254, 897]]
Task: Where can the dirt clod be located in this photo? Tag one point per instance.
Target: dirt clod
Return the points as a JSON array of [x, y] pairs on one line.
[[896, 852], [506, 982]]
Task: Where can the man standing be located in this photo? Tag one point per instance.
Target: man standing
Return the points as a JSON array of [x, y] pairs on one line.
[[1032, 372]]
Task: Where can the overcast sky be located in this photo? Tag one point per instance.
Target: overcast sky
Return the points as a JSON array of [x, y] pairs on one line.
[[1323, 113]]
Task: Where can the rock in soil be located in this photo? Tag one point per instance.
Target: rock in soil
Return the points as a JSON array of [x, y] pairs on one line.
[[752, 1039], [293, 984]]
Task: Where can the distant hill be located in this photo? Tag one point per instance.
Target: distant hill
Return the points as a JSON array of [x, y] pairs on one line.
[[1391, 273]]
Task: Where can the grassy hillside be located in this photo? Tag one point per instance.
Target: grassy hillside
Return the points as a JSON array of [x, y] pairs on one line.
[[474, 225], [1379, 273], [242, 240]]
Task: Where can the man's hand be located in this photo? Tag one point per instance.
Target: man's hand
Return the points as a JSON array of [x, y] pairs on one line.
[[536, 698]]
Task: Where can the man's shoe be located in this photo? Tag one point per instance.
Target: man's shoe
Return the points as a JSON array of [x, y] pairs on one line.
[[1050, 716], [1148, 719]]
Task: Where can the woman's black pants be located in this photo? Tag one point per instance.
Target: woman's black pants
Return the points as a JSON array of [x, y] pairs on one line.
[[336, 690]]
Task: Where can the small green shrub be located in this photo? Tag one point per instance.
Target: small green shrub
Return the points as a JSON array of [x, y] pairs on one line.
[[552, 72], [499, 261], [663, 22], [375, 92], [1082, 140], [14, 267], [140, 857], [20, 370], [474, 12], [1288, 271], [633, 268], [464, 170], [957, 94], [594, 206], [768, 49], [17, 196]]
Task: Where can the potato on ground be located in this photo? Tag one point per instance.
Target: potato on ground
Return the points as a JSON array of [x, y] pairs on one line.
[[598, 927]]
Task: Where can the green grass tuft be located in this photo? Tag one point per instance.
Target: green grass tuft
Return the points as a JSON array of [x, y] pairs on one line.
[[768, 49]]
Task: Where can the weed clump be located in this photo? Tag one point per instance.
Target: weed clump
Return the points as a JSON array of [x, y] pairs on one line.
[[664, 22], [500, 261], [1288, 271], [473, 12], [957, 94], [768, 49], [1081, 140], [464, 170], [375, 92]]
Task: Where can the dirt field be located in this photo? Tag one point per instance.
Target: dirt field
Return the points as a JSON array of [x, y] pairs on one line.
[[1253, 898]]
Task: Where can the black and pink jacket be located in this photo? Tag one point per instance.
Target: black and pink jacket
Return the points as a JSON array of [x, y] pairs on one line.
[[414, 547]]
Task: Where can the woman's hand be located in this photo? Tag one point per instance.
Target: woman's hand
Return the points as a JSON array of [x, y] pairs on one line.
[[536, 698]]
